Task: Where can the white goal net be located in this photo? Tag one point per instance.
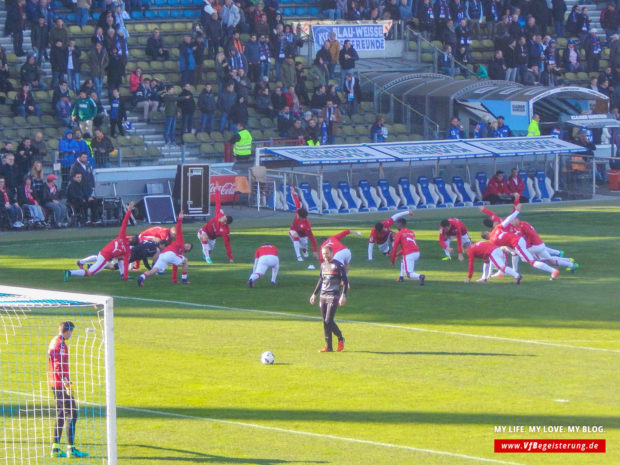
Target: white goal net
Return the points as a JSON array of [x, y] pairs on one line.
[[39, 410]]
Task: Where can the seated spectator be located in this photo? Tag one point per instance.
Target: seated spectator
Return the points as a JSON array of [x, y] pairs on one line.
[[550, 75], [63, 112], [28, 201], [50, 199], [142, 100], [10, 171], [378, 131], [81, 199], [480, 71], [318, 100], [39, 144], [11, 207], [531, 77], [155, 47], [61, 90], [102, 148], [295, 131], [515, 185], [463, 57], [312, 133], [25, 104], [135, 79], [263, 104], [497, 190], [5, 84]]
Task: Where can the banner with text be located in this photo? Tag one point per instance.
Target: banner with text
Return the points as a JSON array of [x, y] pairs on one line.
[[226, 186], [330, 154], [511, 146], [363, 37], [431, 150]]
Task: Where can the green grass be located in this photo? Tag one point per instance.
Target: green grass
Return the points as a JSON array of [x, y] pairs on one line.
[[425, 369]]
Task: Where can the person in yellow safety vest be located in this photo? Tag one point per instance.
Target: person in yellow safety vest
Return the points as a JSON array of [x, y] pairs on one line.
[[243, 143], [312, 133], [534, 127]]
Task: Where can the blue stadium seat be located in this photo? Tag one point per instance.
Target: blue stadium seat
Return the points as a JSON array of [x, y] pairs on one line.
[[369, 196], [388, 194], [150, 14], [70, 18], [333, 204], [288, 198], [464, 191], [163, 3], [96, 15], [408, 194], [449, 198], [424, 188], [57, 5], [163, 14], [136, 15], [350, 198], [288, 12], [301, 11], [543, 185], [313, 11], [197, 2], [527, 182], [480, 183], [190, 13], [186, 2], [307, 193]]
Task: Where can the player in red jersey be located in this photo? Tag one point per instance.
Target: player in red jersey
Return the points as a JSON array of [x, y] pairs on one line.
[[489, 253], [158, 234], [266, 257], [171, 255], [218, 226], [341, 253], [301, 231], [59, 381], [506, 234], [405, 240], [453, 228], [382, 235], [539, 250], [118, 248]]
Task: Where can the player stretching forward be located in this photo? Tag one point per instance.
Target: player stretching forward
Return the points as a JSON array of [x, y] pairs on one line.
[[333, 284], [340, 252], [405, 239], [383, 236], [171, 255], [266, 257], [60, 382], [453, 228], [505, 234], [216, 226], [118, 248], [301, 230], [489, 254], [158, 234], [539, 250]]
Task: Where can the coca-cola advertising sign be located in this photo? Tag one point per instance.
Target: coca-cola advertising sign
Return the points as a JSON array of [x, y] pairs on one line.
[[226, 186]]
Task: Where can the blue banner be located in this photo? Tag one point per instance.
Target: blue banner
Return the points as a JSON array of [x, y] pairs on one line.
[[363, 37]]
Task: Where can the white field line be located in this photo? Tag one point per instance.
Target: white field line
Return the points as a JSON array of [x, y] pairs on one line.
[[371, 323], [292, 431]]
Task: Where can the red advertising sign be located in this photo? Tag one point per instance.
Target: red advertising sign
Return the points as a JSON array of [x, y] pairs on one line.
[[226, 186]]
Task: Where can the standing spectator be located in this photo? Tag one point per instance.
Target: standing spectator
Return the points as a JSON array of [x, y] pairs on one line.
[[82, 11], [426, 19], [522, 54], [37, 176], [449, 34], [155, 46], [74, 65], [30, 74], [187, 105], [236, 60], [584, 23], [25, 104], [199, 56], [230, 18], [455, 131], [214, 35], [347, 59], [493, 15], [463, 34], [225, 101], [264, 54], [288, 73], [10, 171], [39, 38], [537, 52], [98, 60], [497, 68], [68, 151], [26, 155], [115, 71], [318, 73], [334, 52], [58, 60], [549, 76], [207, 106], [318, 101], [558, 13], [353, 92], [118, 113], [84, 111], [187, 62], [474, 14], [50, 199], [593, 49], [81, 189], [378, 131], [15, 24], [328, 9], [483, 130], [279, 47], [533, 129], [572, 22], [102, 148], [170, 111], [252, 55], [333, 117], [300, 87], [502, 129], [239, 113], [284, 121], [609, 21], [510, 60], [39, 144], [59, 32], [101, 111]]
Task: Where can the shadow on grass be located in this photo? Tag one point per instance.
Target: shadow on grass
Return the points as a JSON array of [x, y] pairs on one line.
[[181, 455], [367, 416], [459, 354]]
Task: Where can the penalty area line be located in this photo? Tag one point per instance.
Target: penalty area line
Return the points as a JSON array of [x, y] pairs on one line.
[[371, 323]]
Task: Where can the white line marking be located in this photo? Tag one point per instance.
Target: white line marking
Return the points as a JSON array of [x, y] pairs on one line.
[[382, 325], [287, 431]]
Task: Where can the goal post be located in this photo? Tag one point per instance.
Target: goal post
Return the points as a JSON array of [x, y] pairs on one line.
[[29, 409]]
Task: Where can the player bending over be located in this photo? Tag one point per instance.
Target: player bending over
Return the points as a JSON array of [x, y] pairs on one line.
[[405, 240], [218, 226], [301, 230], [266, 257], [383, 236], [117, 248], [333, 285], [59, 381], [340, 252], [171, 255], [449, 229], [506, 234], [489, 253], [158, 234]]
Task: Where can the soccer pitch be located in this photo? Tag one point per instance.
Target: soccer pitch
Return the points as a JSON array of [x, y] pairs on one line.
[[427, 375]]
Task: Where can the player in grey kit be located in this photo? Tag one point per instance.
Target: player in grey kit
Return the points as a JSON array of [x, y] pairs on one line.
[[333, 284]]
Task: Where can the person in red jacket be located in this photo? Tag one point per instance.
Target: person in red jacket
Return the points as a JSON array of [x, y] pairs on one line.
[[515, 185], [405, 240], [382, 235], [158, 234], [171, 255], [301, 230], [453, 228], [489, 253], [266, 257], [218, 226], [59, 381], [341, 253], [117, 248], [497, 190]]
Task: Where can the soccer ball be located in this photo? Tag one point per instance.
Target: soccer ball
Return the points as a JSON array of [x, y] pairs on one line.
[[267, 358]]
